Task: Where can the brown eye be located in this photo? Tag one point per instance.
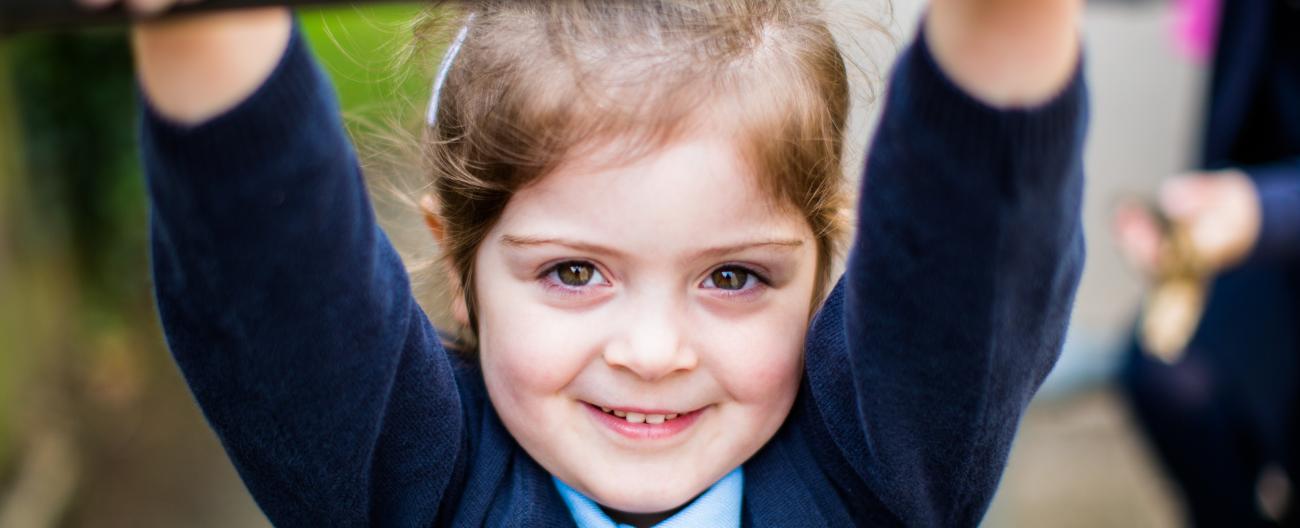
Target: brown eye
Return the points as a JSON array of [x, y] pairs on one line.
[[730, 278], [575, 273]]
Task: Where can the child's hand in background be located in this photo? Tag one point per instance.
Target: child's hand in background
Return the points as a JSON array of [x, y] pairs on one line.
[[1221, 212], [196, 67]]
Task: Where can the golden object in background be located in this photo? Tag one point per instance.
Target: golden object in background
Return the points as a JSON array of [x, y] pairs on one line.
[[1176, 302]]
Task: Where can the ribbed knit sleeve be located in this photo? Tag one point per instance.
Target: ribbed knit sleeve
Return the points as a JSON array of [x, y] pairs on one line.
[[290, 314], [1278, 187], [956, 297]]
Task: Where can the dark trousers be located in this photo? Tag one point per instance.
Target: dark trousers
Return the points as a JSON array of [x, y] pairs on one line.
[[1229, 408]]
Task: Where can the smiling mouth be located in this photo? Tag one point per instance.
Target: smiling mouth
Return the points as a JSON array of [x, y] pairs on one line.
[[644, 424]]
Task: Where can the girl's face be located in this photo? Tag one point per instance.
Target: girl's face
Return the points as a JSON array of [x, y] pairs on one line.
[[641, 328]]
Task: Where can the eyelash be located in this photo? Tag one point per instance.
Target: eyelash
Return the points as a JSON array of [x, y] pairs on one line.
[[550, 280]]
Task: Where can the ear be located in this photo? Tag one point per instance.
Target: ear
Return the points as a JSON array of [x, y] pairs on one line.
[[429, 209], [459, 309]]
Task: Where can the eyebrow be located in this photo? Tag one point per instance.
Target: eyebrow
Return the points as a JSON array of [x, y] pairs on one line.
[[529, 241]]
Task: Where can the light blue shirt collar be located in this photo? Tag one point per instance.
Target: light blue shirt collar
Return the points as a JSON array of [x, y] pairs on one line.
[[718, 507]]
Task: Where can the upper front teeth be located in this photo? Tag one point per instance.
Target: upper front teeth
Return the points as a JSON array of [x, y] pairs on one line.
[[636, 418]]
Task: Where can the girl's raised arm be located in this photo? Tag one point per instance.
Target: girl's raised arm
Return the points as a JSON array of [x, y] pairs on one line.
[[961, 279], [283, 303]]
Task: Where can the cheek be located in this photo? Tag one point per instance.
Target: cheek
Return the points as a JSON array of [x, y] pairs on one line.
[[525, 349], [766, 377], [761, 362]]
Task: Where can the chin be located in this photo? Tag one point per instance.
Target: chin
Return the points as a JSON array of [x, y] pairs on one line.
[[647, 495]]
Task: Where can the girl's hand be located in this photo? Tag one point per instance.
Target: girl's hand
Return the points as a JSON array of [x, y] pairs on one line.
[[1221, 213], [1007, 53], [195, 68]]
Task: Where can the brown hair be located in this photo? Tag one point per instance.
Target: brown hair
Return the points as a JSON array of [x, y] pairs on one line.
[[538, 82]]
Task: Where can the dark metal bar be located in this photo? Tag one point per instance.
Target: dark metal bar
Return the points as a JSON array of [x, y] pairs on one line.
[[40, 15]]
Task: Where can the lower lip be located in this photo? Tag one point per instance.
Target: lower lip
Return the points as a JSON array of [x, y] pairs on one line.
[[644, 431]]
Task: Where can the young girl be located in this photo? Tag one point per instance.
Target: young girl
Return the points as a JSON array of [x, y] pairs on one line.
[[638, 201]]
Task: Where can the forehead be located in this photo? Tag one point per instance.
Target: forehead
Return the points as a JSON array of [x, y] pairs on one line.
[[693, 193]]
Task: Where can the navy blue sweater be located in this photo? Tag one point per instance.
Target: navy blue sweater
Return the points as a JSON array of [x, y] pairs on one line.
[[293, 321]]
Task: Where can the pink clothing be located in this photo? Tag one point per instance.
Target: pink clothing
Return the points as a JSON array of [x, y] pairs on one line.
[[1196, 28]]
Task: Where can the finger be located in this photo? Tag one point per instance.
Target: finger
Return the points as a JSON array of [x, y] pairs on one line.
[[1186, 196], [1138, 235], [1214, 241], [1227, 227]]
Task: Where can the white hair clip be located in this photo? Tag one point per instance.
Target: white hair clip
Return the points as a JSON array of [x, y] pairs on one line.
[[447, 60]]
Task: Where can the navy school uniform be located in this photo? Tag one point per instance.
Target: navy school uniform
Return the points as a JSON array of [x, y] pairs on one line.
[[291, 318]]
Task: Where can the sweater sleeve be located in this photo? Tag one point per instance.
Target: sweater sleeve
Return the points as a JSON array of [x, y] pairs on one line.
[[290, 315], [956, 297], [1278, 187]]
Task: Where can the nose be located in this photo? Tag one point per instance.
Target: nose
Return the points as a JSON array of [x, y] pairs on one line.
[[653, 346]]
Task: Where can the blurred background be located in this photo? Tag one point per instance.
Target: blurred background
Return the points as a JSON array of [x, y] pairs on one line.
[[98, 429]]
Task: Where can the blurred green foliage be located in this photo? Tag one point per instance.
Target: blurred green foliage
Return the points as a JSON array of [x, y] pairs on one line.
[[76, 113], [9, 164], [360, 48]]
